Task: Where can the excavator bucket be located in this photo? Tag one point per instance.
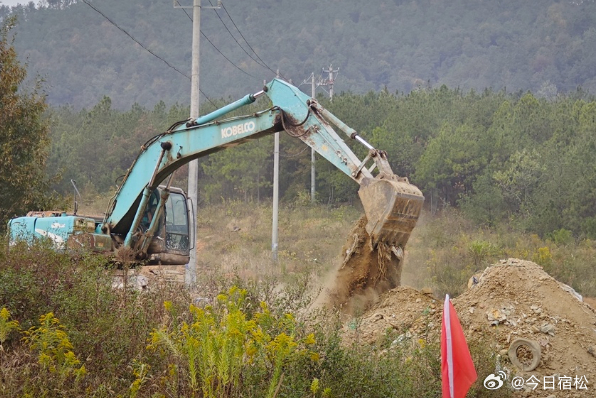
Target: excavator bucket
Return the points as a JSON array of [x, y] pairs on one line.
[[392, 209]]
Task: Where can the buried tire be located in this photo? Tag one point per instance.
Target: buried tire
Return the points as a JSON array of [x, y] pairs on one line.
[[520, 351]]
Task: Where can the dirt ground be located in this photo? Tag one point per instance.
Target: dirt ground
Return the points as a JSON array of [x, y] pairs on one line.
[[510, 300]]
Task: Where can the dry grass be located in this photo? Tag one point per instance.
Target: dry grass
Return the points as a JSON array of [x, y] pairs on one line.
[[235, 239]]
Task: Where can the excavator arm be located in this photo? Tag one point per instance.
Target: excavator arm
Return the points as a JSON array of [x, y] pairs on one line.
[[391, 204]]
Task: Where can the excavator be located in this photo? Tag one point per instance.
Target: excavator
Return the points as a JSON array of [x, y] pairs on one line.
[[149, 219]]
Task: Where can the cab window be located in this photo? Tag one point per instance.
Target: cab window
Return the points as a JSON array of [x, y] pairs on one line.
[[176, 222]]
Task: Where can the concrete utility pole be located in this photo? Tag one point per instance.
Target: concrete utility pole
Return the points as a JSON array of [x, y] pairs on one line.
[[330, 80], [190, 275], [274, 226], [312, 151], [313, 87]]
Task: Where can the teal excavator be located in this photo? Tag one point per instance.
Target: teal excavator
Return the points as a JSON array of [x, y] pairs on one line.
[[149, 219]]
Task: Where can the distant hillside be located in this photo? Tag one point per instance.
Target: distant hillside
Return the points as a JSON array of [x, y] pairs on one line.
[[545, 46]]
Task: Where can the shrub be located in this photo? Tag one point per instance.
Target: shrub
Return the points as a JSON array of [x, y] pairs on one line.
[[223, 351], [54, 349], [6, 326]]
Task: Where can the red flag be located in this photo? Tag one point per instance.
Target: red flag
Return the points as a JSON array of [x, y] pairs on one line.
[[457, 369]]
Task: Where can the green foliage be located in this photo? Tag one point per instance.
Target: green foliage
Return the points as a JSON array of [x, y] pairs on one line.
[[96, 147], [368, 371], [481, 250], [511, 156], [499, 157], [543, 256], [519, 178], [23, 134], [562, 236], [37, 281], [6, 326], [453, 249], [109, 329], [485, 205], [239, 173]]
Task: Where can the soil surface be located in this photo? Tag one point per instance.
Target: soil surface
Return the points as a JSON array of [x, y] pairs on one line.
[[511, 300]]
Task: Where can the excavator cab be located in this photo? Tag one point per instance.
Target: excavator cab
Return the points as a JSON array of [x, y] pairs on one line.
[[170, 243]]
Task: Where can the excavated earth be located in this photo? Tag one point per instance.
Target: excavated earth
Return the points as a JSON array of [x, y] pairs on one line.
[[510, 300], [364, 273]]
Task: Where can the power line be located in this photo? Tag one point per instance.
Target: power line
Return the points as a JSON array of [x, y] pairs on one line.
[[218, 50], [247, 43], [189, 17], [237, 42], [261, 63], [135, 40], [244, 38], [143, 46], [222, 54]]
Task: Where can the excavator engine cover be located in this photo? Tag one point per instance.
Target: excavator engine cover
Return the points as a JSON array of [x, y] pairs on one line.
[[392, 209]]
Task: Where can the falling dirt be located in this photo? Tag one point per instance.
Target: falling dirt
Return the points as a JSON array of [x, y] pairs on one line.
[[511, 300], [363, 274]]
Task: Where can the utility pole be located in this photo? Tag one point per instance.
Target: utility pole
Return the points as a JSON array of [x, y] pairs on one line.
[[274, 226], [330, 80], [313, 87], [190, 274]]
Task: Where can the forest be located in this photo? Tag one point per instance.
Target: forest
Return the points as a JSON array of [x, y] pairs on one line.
[[139, 51]]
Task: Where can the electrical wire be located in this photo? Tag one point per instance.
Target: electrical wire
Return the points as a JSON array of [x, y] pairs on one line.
[[214, 46], [143, 46], [189, 17], [261, 63], [135, 40], [236, 66], [264, 64], [244, 38], [237, 42]]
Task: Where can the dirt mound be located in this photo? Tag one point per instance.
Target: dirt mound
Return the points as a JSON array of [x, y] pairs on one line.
[[511, 300], [364, 273], [403, 310]]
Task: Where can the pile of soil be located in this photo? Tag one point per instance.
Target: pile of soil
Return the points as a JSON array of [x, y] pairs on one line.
[[402, 311], [511, 300]]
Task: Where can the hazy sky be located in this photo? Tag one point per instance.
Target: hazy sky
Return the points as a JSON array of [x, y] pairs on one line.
[[12, 2]]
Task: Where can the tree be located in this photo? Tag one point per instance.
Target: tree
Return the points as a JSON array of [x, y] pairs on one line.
[[23, 135], [451, 162]]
